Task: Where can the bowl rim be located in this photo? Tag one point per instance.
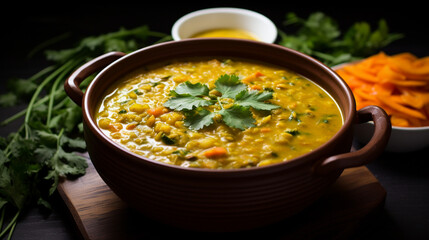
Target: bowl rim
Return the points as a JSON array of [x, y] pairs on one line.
[[399, 128], [424, 128], [215, 10], [348, 120]]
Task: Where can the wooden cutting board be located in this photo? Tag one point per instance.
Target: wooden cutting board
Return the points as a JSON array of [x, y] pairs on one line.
[[100, 214]]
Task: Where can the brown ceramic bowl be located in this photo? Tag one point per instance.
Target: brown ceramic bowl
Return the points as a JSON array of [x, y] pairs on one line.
[[222, 200]]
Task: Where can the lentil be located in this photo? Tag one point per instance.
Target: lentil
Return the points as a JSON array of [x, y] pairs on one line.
[[132, 113]]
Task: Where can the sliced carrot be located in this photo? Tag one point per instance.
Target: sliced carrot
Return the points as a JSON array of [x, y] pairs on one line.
[[385, 89], [401, 108], [216, 152], [386, 74], [399, 121], [409, 83], [410, 65], [415, 98], [365, 95], [398, 83]]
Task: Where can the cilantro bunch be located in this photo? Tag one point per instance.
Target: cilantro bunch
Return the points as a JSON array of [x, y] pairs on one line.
[[44, 150], [196, 103], [320, 36]]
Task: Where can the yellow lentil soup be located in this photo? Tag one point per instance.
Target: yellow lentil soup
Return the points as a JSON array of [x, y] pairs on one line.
[[218, 114]]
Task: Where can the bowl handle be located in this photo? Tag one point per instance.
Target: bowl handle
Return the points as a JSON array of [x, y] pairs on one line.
[[71, 85], [370, 151]]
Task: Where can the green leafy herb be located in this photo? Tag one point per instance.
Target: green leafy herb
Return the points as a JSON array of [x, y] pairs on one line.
[[136, 91], [187, 96], [229, 85], [255, 100], [199, 118], [44, 150], [195, 90], [326, 118], [293, 132], [319, 36], [238, 117], [165, 139], [181, 153], [193, 98]]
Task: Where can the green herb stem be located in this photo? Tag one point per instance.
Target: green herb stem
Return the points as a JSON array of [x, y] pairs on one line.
[[2, 216], [41, 73], [23, 112], [11, 225], [220, 104], [37, 93], [54, 88]]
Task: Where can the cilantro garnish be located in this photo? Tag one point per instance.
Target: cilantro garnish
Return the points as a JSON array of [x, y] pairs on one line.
[[194, 101], [188, 96]]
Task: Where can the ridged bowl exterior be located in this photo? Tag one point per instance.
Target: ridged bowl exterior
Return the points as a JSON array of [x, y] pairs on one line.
[[215, 200]]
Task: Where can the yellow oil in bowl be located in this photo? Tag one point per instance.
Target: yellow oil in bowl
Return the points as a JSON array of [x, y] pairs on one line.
[[226, 32]]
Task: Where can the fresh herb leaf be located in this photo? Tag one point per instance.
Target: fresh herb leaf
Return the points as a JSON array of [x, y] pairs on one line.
[[186, 102], [255, 99], [34, 158], [293, 132], [187, 88], [136, 91], [199, 118], [319, 36], [188, 97], [229, 85], [167, 140], [238, 117], [181, 153]]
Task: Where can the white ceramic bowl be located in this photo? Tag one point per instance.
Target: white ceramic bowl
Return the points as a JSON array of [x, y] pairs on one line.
[[213, 18], [402, 139]]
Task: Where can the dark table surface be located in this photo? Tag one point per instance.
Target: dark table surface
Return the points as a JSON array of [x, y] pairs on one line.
[[405, 176]]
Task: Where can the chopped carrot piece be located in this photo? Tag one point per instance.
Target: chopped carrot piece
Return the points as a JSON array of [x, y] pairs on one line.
[[256, 87], [258, 74], [253, 77], [216, 152], [156, 112], [265, 130]]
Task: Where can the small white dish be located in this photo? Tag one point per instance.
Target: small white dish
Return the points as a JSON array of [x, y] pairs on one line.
[[215, 18], [402, 139]]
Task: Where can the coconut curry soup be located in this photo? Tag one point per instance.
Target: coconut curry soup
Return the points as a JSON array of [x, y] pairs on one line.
[[218, 114]]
